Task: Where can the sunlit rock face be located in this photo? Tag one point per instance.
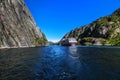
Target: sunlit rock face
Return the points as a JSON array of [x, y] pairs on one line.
[[103, 31], [17, 26]]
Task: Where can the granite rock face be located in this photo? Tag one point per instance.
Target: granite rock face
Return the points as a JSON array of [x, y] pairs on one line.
[[103, 31], [17, 26]]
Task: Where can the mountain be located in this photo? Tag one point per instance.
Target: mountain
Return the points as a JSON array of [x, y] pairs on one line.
[[17, 26], [52, 43], [103, 31]]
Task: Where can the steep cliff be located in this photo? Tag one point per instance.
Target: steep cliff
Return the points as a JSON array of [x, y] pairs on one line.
[[17, 27], [104, 31]]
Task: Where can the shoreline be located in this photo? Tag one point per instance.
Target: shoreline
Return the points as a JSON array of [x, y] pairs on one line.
[[17, 47], [1, 48]]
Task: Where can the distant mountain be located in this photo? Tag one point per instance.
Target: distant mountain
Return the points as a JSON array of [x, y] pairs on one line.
[[104, 31], [52, 43], [17, 27]]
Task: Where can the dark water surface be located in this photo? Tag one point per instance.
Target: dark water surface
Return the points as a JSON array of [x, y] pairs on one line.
[[60, 63]]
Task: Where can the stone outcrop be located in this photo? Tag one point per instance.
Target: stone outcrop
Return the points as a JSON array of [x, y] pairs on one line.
[[104, 31], [17, 26]]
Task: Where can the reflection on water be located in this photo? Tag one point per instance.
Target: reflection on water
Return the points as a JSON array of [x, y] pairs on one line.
[[73, 52], [60, 63], [56, 64]]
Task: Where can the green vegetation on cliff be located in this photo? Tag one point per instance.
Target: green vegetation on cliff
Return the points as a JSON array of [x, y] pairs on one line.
[[104, 31], [41, 41]]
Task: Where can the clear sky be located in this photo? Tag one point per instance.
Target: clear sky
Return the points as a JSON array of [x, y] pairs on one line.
[[57, 17]]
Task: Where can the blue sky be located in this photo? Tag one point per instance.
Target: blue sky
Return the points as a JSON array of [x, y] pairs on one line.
[[57, 17]]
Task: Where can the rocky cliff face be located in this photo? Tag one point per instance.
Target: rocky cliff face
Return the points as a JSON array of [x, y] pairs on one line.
[[17, 27], [104, 31]]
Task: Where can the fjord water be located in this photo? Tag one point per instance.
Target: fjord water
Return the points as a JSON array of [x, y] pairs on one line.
[[60, 63]]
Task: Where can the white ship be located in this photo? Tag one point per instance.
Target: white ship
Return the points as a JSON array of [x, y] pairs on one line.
[[68, 41]]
